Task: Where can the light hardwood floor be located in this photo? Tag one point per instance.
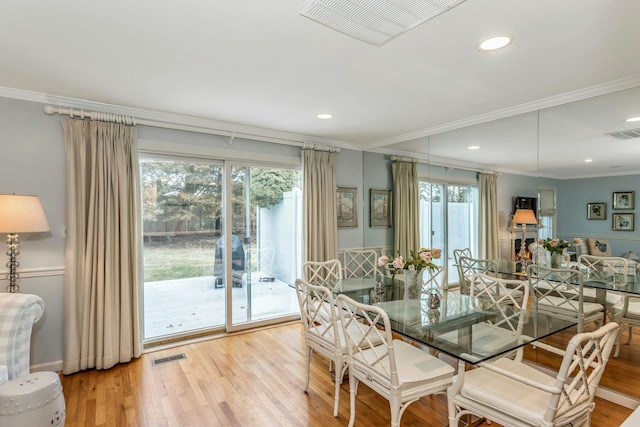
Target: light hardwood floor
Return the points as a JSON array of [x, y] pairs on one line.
[[245, 379]]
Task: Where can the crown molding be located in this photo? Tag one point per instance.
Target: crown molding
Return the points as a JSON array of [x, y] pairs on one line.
[[175, 121], [552, 101]]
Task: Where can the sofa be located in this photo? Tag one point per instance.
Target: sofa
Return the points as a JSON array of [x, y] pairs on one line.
[[601, 247]]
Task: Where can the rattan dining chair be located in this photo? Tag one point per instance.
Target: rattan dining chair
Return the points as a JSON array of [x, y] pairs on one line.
[[513, 393], [398, 371]]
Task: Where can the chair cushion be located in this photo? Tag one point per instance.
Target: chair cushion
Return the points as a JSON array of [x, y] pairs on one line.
[[509, 395], [599, 247], [561, 306]]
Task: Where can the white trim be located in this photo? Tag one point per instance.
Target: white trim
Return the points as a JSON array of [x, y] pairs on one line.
[[35, 272], [147, 146], [552, 101], [55, 366]]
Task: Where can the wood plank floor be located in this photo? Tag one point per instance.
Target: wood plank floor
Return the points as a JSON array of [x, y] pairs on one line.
[[246, 379]]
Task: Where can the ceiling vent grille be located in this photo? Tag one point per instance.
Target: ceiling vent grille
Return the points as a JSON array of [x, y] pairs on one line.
[[375, 21], [625, 134]]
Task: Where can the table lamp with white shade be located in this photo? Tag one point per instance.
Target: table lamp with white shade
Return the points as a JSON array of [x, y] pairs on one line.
[[19, 214], [524, 217]]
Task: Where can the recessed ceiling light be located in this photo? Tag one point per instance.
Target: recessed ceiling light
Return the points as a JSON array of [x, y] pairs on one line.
[[633, 119], [588, 160], [324, 116], [473, 147], [495, 42]]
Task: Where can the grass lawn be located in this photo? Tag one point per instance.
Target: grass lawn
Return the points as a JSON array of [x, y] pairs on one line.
[[178, 260]]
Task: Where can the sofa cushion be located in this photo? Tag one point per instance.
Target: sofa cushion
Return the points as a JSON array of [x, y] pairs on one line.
[[599, 247]]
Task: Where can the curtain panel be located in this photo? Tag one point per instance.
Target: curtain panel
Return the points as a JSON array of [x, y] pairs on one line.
[[319, 201], [405, 207], [489, 232], [102, 288]]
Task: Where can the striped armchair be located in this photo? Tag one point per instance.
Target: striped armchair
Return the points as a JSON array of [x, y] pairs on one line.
[[18, 313]]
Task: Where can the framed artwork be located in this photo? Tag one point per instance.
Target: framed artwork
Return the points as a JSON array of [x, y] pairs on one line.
[[347, 206], [597, 210], [623, 222], [623, 200], [380, 210]]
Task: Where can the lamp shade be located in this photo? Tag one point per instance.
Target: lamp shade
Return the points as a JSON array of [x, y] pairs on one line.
[[524, 216], [21, 214]]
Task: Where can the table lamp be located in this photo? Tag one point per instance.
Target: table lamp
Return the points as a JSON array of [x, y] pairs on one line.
[[19, 214], [524, 217]]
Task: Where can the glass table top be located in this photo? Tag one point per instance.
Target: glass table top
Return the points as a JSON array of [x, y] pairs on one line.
[[472, 330]]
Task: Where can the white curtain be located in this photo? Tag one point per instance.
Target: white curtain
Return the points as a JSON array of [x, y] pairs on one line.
[[103, 253], [319, 200], [405, 207], [489, 237]]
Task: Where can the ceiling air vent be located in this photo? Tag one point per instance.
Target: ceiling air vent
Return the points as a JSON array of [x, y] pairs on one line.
[[625, 134], [374, 21]]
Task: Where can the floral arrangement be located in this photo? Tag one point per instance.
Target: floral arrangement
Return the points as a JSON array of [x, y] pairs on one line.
[[415, 261], [556, 245]]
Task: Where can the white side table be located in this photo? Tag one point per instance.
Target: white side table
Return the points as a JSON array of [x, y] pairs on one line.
[[33, 400]]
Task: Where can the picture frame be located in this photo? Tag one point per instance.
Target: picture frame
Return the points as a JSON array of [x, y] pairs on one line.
[[623, 221], [347, 206], [597, 210], [379, 208], [623, 200]]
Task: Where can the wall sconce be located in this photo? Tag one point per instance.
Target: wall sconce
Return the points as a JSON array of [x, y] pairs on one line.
[[524, 217], [19, 214]]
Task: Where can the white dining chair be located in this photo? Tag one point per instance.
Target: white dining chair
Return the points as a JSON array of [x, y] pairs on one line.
[[321, 332], [468, 266], [506, 298], [398, 371], [327, 273], [560, 292], [604, 268], [513, 393], [360, 263], [435, 278]]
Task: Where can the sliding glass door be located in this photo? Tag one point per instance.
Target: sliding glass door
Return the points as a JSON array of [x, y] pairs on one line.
[[198, 279], [266, 221], [448, 220]]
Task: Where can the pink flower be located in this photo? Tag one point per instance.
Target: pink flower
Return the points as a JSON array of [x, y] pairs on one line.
[[436, 253], [425, 256], [398, 262], [577, 240], [383, 260]]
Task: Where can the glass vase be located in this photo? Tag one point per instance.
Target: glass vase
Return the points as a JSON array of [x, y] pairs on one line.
[[412, 284]]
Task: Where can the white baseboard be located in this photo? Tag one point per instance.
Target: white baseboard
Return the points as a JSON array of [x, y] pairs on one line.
[[55, 366]]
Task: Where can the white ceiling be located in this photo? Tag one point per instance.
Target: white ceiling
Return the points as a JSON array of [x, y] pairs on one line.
[[261, 64]]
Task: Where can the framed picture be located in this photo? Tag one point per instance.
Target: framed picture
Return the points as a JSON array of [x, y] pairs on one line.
[[347, 206], [597, 210], [380, 211], [623, 222], [623, 200]]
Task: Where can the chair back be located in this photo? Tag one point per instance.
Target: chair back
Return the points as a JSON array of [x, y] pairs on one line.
[[326, 273], [499, 291], [557, 290], [317, 314], [614, 269], [436, 278], [368, 337], [468, 266], [583, 364], [360, 263]]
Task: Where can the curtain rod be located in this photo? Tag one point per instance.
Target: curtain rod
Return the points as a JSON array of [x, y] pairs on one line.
[[110, 117], [318, 147], [93, 115]]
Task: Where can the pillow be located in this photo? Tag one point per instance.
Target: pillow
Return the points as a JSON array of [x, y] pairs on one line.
[[598, 247]]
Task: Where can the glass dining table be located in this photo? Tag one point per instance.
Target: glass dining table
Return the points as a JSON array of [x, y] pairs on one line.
[[447, 321]]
